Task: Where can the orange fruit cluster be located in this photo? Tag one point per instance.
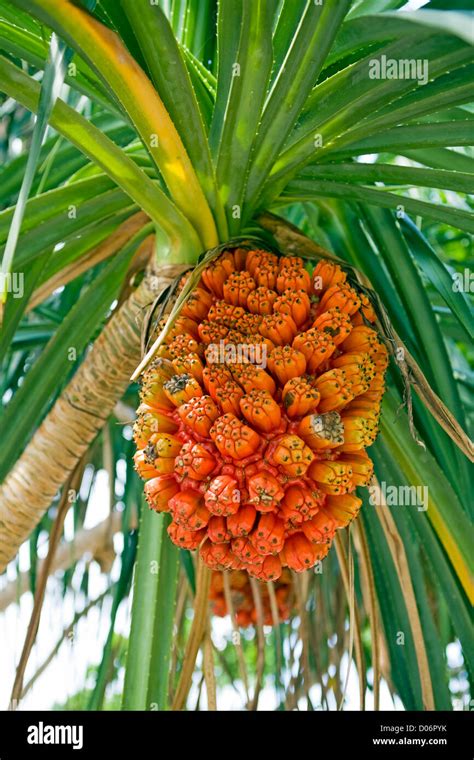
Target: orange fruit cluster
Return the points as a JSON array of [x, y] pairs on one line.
[[243, 601], [255, 416]]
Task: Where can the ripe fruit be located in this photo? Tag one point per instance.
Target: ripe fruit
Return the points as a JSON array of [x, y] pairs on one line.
[[242, 599], [255, 417]]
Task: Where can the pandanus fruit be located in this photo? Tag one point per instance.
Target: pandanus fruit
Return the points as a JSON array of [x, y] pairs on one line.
[[255, 416]]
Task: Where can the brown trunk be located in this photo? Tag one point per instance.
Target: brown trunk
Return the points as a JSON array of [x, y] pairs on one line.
[[77, 416]]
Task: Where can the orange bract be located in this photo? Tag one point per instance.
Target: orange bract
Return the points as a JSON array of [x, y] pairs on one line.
[[259, 408], [182, 388], [300, 397], [161, 450], [254, 421], [316, 346], [265, 491], [194, 461], [293, 278], [286, 363], [242, 598], [199, 413], [252, 378], [159, 491], [326, 274], [223, 496], [237, 288], [233, 438], [151, 421], [266, 275], [261, 300], [294, 303], [259, 258], [290, 454], [279, 328]]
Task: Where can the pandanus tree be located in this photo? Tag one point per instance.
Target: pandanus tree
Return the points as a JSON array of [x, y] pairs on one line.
[[207, 164]]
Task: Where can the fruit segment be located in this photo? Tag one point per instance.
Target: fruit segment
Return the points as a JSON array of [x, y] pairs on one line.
[[242, 599], [255, 417]]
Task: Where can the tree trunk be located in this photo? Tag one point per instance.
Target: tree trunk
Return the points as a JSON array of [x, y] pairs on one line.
[[77, 416]]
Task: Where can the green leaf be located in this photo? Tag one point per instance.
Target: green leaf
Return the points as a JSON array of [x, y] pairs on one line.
[[440, 134], [48, 262], [35, 334], [199, 36], [187, 562], [15, 307], [358, 35], [67, 160], [159, 674], [414, 525], [445, 512], [305, 190], [362, 173], [441, 158], [290, 15], [117, 19], [203, 84], [108, 156], [438, 274], [441, 571], [434, 646], [43, 380], [121, 589], [207, 77], [459, 24], [229, 23], [178, 17], [130, 86], [365, 7], [24, 38], [54, 202], [50, 89], [171, 78], [404, 666], [151, 535], [457, 5], [386, 467], [245, 101], [58, 228], [336, 111], [407, 280], [435, 359], [291, 88], [439, 95], [80, 243]]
